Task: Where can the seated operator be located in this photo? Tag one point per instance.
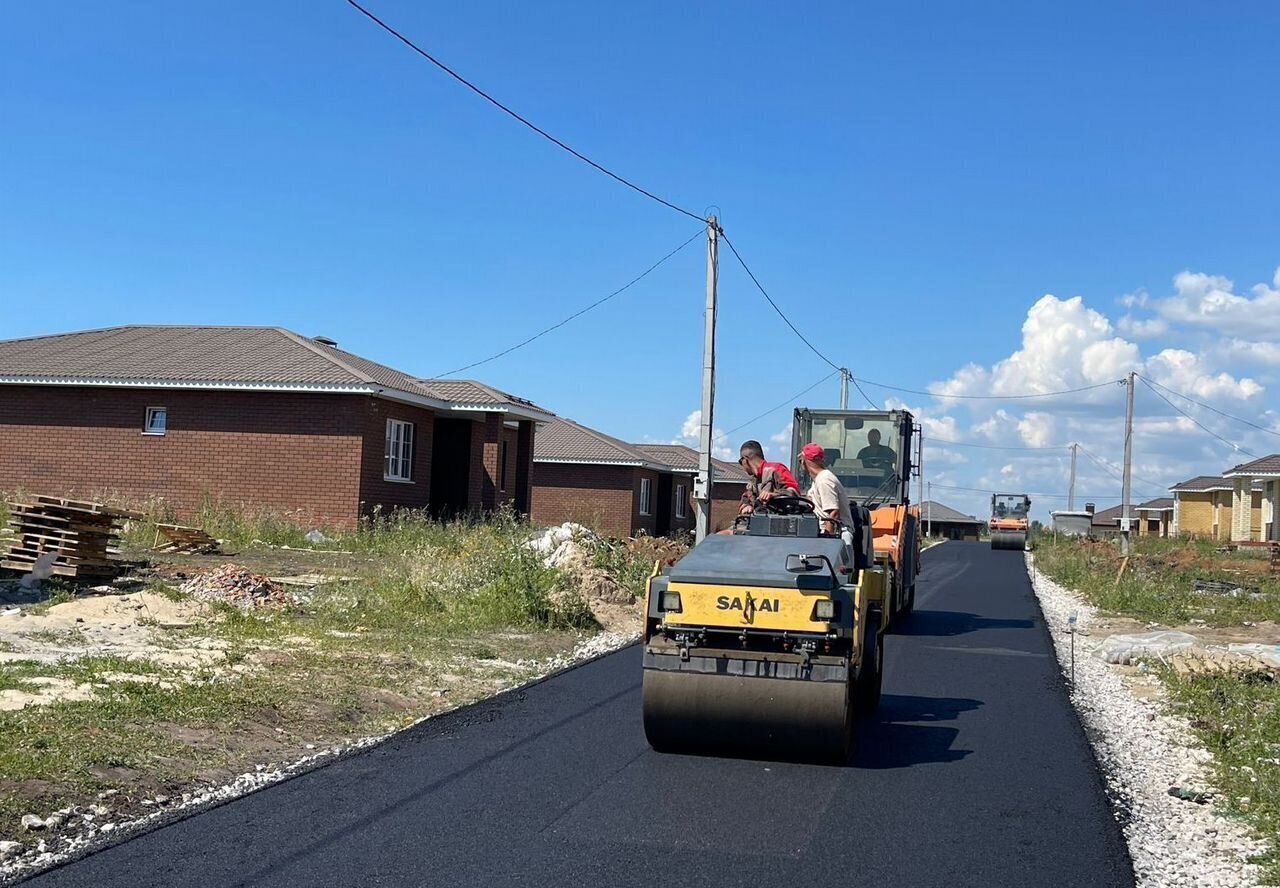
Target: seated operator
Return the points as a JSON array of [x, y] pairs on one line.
[[830, 500], [876, 455], [767, 478]]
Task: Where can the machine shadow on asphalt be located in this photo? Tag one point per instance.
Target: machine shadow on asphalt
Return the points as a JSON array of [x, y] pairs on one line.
[[895, 740], [948, 623]]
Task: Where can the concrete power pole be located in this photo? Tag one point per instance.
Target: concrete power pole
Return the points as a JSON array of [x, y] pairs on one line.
[[844, 389], [705, 479], [928, 513], [1071, 491], [920, 477], [1125, 543]]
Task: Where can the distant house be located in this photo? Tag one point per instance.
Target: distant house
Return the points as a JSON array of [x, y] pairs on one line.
[[1257, 482], [621, 489], [254, 416], [1205, 506], [946, 522], [1106, 522], [1154, 517]]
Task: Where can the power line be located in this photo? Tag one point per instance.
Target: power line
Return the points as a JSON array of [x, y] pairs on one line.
[[1061, 496], [1119, 475], [1260, 428], [1203, 427], [790, 401], [769, 299], [874, 405], [601, 301], [530, 124], [1019, 397], [933, 439]]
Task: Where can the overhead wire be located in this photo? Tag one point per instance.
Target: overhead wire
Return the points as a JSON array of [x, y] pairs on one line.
[[577, 314], [786, 320], [1018, 397], [1061, 496], [874, 405], [1223, 413], [934, 439], [789, 402], [1208, 431], [524, 120], [1112, 468]]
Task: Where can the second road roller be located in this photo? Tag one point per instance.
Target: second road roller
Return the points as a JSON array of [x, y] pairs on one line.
[[1008, 524], [769, 640]]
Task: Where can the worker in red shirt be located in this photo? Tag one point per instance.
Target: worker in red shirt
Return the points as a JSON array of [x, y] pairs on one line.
[[768, 479]]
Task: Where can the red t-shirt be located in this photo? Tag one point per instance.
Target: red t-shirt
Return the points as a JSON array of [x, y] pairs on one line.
[[783, 473]]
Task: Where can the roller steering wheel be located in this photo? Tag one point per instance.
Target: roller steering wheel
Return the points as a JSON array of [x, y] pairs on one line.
[[788, 505]]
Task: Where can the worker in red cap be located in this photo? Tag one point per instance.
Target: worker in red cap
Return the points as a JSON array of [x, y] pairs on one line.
[[767, 478], [830, 499]]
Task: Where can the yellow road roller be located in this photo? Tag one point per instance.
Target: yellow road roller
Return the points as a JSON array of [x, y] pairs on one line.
[[765, 642], [1008, 525]]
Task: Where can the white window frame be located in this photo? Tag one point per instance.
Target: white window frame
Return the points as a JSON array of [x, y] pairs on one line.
[[397, 457], [682, 508], [147, 423], [646, 496]]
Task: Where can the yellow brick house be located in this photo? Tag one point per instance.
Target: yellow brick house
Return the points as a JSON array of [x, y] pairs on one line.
[[1206, 506]]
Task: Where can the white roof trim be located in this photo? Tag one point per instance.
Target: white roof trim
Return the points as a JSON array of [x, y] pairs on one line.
[[109, 382], [519, 410], [593, 462]]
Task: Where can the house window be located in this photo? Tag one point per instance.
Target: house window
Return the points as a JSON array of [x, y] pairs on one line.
[[681, 508], [156, 422], [502, 468], [398, 462], [646, 489]]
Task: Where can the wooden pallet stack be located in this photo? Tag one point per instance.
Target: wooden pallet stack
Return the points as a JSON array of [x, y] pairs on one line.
[[84, 537]]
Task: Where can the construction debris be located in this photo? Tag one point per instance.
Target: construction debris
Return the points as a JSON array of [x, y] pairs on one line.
[[237, 586], [82, 537], [187, 540], [1127, 649], [1227, 589]]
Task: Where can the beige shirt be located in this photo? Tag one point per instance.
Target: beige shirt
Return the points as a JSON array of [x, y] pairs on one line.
[[829, 495]]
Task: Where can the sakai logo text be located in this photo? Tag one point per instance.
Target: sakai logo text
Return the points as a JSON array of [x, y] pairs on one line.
[[748, 605]]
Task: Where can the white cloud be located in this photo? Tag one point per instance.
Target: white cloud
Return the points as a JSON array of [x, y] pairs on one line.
[[1186, 372], [1142, 328], [1037, 429], [1210, 301], [690, 434], [1254, 352]]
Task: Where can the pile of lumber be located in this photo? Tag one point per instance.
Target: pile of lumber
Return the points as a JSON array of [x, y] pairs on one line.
[[83, 537], [188, 540]]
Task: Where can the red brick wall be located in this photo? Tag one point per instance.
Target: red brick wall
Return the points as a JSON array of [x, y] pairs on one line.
[[600, 497], [644, 523], [291, 452], [726, 499], [375, 490]]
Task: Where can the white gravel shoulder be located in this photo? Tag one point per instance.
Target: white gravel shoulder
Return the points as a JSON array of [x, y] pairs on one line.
[[86, 830], [1143, 751]]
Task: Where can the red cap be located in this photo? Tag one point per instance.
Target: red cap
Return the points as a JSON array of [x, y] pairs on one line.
[[813, 452]]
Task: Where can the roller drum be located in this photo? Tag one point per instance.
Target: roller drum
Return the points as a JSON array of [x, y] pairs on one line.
[[1008, 539], [773, 718]]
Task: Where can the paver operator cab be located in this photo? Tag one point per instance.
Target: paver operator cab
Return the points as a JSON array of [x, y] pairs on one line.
[[1008, 523], [768, 640]]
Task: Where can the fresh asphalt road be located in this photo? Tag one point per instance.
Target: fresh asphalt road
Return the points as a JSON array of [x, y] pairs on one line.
[[974, 773]]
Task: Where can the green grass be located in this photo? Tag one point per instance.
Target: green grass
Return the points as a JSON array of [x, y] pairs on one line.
[[1238, 720], [1236, 717], [1157, 583]]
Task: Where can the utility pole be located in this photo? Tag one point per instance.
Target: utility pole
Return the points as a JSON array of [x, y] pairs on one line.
[[928, 513], [1071, 491], [705, 479], [844, 389], [920, 468], [1125, 543]]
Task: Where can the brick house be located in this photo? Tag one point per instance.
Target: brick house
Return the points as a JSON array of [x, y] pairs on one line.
[[621, 489], [1154, 517], [1205, 506], [1257, 482], [254, 417], [950, 524]]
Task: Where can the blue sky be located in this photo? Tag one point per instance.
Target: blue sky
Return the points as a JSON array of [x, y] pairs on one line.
[[907, 179]]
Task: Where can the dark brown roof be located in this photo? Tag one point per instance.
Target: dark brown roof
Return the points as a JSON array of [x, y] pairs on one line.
[[230, 357], [563, 440], [681, 457], [1267, 465], [932, 511], [1203, 483], [1108, 517], [1160, 504]]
